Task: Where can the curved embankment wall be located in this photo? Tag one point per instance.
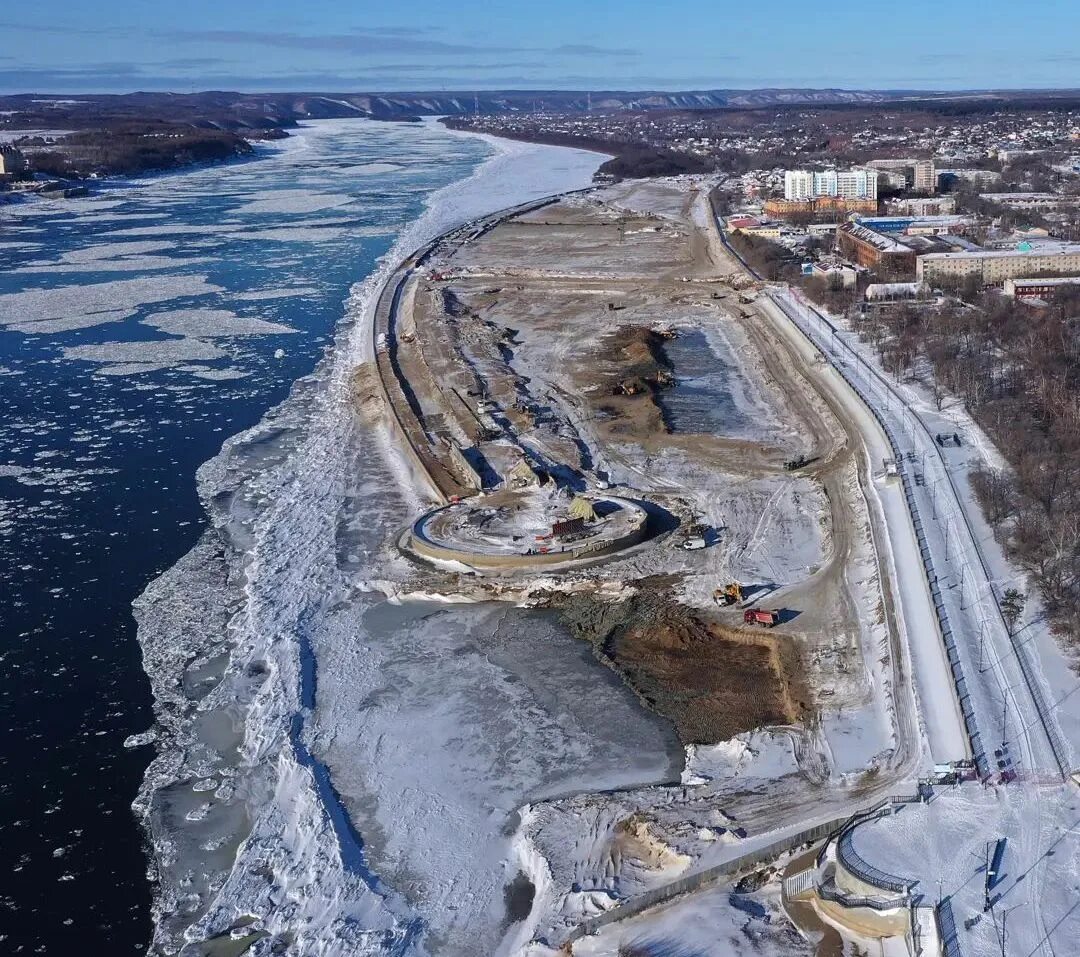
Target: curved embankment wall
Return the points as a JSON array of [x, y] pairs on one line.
[[414, 540]]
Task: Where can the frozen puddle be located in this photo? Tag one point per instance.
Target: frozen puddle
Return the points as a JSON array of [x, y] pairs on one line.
[[452, 718], [711, 395]]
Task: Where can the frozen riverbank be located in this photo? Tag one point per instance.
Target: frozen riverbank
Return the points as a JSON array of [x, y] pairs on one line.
[[365, 762]]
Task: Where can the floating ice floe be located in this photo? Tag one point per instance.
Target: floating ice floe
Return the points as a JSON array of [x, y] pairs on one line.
[[211, 323], [108, 300], [140, 739], [165, 352], [284, 292]]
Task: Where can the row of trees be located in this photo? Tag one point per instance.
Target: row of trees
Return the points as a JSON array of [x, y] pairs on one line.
[[1017, 370]]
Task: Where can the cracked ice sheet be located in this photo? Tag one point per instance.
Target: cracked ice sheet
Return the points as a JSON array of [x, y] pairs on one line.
[[467, 713], [211, 323], [113, 299], [49, 326]]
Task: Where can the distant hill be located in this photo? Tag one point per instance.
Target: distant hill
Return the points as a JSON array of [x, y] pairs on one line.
[[251, 112], [254, 111]]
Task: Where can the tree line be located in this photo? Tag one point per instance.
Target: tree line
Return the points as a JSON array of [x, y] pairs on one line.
[[1016, 368]]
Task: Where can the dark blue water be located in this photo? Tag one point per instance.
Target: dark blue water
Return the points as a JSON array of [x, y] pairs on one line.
[[103, 422]]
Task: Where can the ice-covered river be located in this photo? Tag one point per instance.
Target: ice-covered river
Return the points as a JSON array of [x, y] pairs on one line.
[[329, 770]]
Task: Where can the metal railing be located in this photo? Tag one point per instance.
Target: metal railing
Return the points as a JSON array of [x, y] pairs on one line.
[[829, 891]]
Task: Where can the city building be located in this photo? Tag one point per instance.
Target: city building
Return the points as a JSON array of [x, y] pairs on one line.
[[1037, 288], [740, 222], [920, 206], [763, 230], [951, 178], [858, 183], [843, 276], [12, 162], [887, 256], [788, 208], [915, 225], [1030, 200], [992, 266], [798, 185], [918, 174], [925, 176], [892, 179], [894, 291]]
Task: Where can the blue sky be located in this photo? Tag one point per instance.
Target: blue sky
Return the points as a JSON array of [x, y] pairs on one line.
[[326, 45]]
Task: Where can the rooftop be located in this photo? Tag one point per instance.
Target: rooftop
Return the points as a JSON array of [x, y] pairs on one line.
[[885, 244], [1044, 249]]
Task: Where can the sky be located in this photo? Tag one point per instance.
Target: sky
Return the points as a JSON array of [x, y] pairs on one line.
[[73, 46]]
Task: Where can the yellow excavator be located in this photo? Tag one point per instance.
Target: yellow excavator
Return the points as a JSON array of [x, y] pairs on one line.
[[730, 594]]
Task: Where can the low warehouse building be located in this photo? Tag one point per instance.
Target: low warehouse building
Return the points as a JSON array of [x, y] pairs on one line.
[[1038, 288]]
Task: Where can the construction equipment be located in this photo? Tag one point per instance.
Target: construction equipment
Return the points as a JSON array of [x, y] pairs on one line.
[[730, 594], [761, 616], [792, 464]]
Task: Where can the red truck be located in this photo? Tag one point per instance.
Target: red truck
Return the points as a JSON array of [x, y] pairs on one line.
[[759, 616]]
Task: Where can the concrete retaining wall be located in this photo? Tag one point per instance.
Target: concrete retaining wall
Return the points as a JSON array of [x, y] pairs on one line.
[[694, 882]]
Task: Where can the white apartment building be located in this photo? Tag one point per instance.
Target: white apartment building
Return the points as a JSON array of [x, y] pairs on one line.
[[855, 183], [798, 184]]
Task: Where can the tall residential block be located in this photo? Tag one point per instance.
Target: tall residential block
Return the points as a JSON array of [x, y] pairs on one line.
[[858, 183]]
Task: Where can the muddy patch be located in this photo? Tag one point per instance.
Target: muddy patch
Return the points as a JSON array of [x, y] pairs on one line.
[[711, 681]]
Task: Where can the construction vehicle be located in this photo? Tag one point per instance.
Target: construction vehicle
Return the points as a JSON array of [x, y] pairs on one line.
[[694, 538], [730, 594], [792, 464], [761, 616]]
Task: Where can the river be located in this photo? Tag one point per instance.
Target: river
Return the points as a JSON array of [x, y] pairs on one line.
[[140, 329]]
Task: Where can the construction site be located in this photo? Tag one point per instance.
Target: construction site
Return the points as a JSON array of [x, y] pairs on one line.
[[586, 389], [606, 415]]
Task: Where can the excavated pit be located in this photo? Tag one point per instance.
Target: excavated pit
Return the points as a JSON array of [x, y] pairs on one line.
[[710, 680]]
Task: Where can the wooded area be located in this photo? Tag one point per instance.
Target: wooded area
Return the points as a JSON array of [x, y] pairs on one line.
[[1016, 368], [135, 148]]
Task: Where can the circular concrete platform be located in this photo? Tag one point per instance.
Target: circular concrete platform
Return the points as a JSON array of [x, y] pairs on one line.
[[527, 528]]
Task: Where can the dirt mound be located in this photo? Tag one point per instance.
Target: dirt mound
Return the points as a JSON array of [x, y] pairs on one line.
[[711, 681], [635, 354], [632, 368]]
